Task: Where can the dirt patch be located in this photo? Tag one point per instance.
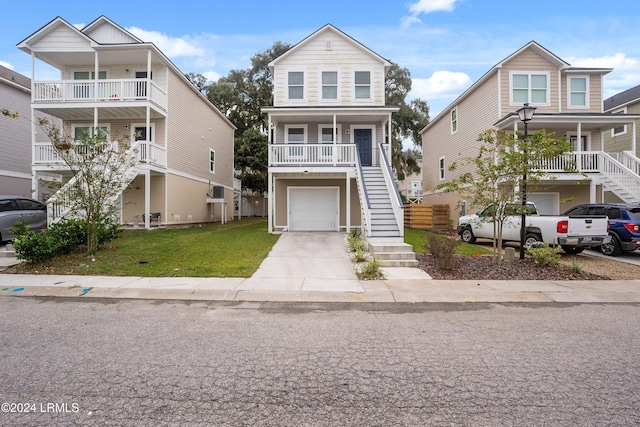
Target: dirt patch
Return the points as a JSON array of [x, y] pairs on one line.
[[589, 267]]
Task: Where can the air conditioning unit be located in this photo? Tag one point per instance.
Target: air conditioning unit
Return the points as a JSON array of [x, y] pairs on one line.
[[218, 192]]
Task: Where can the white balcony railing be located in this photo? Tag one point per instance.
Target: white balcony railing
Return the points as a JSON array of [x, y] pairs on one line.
[[312, 154], [145, 152], [99, 90]]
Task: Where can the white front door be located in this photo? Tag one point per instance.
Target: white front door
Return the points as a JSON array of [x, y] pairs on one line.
[[313, 208]]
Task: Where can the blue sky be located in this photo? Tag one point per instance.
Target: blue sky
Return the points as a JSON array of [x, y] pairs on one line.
[[446, 44]]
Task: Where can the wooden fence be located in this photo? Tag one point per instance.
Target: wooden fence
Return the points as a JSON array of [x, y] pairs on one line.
[[426, 217]]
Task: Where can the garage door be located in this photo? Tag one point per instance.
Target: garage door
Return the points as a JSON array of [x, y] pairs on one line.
[[313, 209]]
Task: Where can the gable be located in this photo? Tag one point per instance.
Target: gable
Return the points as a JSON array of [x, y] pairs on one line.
[[529, 60], [105, 31], [58, 35]]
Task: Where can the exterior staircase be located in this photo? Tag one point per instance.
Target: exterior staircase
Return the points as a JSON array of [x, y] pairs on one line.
[[620, 175], [393, 254], [383, 221], [62, 203]]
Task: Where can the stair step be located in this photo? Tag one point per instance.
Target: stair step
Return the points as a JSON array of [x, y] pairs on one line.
[[399, 263]]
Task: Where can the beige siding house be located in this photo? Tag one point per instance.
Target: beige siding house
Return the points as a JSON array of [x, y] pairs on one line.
[[110, 79], [329, 140], [568, 102]]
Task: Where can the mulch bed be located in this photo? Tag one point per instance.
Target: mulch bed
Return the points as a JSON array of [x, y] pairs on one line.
[[482, 268]]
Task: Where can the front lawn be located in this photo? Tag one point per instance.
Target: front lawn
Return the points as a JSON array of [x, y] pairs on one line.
[[417, 238], [235, 249]]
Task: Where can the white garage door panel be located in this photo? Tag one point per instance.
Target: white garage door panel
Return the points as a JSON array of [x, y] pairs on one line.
[[313, 209]]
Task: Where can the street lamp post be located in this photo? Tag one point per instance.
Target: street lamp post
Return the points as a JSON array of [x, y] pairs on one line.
[[525, 114]]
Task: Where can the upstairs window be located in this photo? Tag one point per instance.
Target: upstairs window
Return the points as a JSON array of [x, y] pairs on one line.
[[578, 95], [441, 169], [212, 160], [454, 120], [296, 85], [329, 85], [532, 88], [363, 84]]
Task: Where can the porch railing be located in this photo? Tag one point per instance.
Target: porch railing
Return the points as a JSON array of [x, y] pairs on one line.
[[99, 90], [312, 154], [145, 152]]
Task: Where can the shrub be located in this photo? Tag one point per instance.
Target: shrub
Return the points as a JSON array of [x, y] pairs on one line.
[[442, 249], [36, 247], [543, 254], [370, 270], [19, 229], [360, 255], [575, 266], [355, 242]]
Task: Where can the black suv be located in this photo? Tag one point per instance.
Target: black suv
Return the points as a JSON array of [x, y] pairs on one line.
[[624, 225]]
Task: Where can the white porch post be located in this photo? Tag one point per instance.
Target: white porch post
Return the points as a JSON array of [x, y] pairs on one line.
[[272, 194], [579, 142], [348, 203], [147, 198], [96, 67], [592, 191], [633, 139], [335, 139]]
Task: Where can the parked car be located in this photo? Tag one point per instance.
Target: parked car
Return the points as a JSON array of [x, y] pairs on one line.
[[20, 209], [624, 225], [573, 233]]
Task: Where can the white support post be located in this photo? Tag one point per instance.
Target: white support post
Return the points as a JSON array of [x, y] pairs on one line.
[[348, 203], [592, 191], [147, 199], [579, 142], [633, 140], [272, 194]]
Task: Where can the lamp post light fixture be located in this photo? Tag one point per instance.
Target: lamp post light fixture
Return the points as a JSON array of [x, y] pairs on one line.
[[525, 114]]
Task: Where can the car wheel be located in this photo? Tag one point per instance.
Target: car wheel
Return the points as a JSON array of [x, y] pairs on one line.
[[613, 248], [572, 250], [467, 236], [531, 239]]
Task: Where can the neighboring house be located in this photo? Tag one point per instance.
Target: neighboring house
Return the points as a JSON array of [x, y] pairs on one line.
[[569, 103], [111, 80], [329, 140], [621, 141], [411, 186], [15, 134]]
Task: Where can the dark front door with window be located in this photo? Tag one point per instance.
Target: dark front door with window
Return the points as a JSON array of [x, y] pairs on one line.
[[362, 138]]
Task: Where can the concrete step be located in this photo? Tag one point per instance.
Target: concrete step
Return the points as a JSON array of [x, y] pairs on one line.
[[399, 256], [7, 252], [399, 263]]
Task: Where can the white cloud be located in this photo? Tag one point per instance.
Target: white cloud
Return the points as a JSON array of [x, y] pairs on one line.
[[625, 74], [441, 84], [428, 6], [211, 76], [6, 65], [171, 46]]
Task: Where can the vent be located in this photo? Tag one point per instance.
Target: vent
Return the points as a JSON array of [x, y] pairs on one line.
[[218, 192], [176, 218], [328, 45], [189, 217]]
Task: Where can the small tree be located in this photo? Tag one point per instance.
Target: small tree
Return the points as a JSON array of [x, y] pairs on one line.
[[99, 167], [496, 178]]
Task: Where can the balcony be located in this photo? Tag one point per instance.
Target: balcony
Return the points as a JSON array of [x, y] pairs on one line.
[[312, 155], [45, 154], [66, 91]]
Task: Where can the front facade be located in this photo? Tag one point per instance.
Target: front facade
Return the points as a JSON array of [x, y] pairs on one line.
[[329, 139], [15, 134], [112, 81], [568, 102]]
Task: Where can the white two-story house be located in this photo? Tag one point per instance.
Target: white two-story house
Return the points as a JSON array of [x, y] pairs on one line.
[[329, 139], [569, 103], [113, 82]]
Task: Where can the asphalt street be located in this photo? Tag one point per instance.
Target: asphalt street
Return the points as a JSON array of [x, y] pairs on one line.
[[145, 362]]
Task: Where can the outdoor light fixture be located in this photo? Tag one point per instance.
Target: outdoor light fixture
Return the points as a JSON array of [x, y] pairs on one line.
[[525, 114]]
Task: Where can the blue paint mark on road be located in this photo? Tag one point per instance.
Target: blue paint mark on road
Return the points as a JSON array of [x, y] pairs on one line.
[[18, 290], [84, 291]]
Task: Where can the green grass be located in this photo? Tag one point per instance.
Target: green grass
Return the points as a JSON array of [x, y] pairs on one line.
[[235, 249], [417, 238]]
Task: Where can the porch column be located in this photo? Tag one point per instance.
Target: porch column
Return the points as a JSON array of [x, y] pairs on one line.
[[348, 203], [592, 191], [272, 194], [579, 142], [35, 188], [633, 139], [335, 139], [147, 198], [95, 121], [96, 67]]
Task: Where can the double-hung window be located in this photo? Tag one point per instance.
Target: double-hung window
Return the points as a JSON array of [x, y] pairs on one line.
[[329, 85], [212, 160], [296, 134], [441, 168], [532, 88], [295, 81], [620, 130], [578, 92], [363, 84], [454, 120]]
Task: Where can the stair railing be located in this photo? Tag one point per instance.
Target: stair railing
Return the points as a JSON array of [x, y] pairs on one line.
[[623, 176], [364, 198], [394, 194]]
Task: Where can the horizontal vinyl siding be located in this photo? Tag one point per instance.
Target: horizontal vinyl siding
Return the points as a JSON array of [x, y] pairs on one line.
[[344, 57], [615, 144], [476, 113], [193, 128], [61, 39], [15, 134]]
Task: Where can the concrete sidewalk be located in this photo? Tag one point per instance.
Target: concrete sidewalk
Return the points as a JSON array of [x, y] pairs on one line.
[[314, 267]]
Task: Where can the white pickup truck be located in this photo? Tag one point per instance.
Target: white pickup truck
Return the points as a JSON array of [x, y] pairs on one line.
[[572, 233]]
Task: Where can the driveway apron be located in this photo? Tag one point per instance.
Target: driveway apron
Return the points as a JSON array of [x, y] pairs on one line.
[[308, 255]]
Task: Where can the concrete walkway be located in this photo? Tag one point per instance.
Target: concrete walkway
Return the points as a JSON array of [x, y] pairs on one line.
[[314, 267]]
